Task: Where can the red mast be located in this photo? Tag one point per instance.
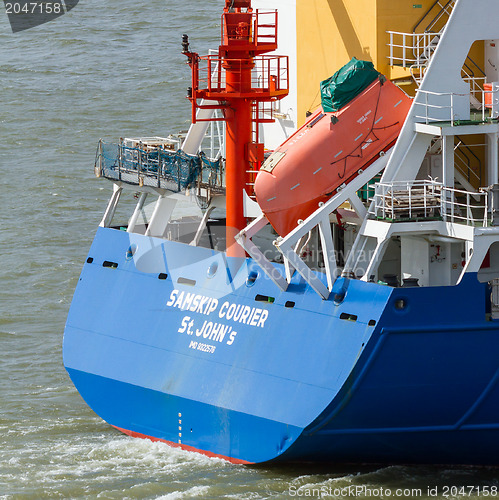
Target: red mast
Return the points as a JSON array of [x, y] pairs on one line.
[[240, 79]]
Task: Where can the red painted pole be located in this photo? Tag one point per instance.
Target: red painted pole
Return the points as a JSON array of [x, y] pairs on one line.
[[238, 136], [240, 45]]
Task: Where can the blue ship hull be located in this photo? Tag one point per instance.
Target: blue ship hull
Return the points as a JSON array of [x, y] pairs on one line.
[[374, 374]]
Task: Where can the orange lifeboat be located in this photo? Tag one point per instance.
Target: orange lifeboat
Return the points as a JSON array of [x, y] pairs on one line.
[[327, 152]]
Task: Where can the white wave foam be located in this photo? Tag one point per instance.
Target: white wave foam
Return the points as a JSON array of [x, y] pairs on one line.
[[194, 492]]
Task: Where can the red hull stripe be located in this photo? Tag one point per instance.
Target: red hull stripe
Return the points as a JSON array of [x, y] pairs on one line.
[[182, 446]]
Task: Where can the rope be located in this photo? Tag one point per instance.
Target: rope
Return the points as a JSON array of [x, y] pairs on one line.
[[315, 98], [370, 133]]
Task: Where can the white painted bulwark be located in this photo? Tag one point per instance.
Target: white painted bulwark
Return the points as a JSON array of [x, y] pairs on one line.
[[415, 259]]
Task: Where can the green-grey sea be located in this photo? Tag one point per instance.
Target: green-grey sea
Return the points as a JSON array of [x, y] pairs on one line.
[[111, 69]]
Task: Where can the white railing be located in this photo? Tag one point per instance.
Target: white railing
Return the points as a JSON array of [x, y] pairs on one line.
[[411, 49], [448, 106], [419, 200], [414, 51], [476, 86], [465, 207]]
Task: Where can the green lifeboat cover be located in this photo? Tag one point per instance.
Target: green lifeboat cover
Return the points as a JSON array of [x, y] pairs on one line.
[[346, 83]]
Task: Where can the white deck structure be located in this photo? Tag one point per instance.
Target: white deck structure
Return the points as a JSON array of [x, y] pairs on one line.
[[437, 233]]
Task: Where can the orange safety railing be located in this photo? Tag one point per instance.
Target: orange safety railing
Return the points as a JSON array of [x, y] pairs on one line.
[[269, 77], [258, 28]]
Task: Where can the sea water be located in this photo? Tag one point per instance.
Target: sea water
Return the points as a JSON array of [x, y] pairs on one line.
[[108, 70]]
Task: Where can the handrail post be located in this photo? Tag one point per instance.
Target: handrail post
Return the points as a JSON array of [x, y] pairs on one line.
[[139, 165], [468, 210], [386, 189], [379, 207], [486, 209], [452, 109], [409, 189], [391, 49], [383, 200], [120, 157], [159, 167], [177, 161], [483, 105], [442, 204], [452, 205], [426, 107], [424, 199], [403, 49]]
